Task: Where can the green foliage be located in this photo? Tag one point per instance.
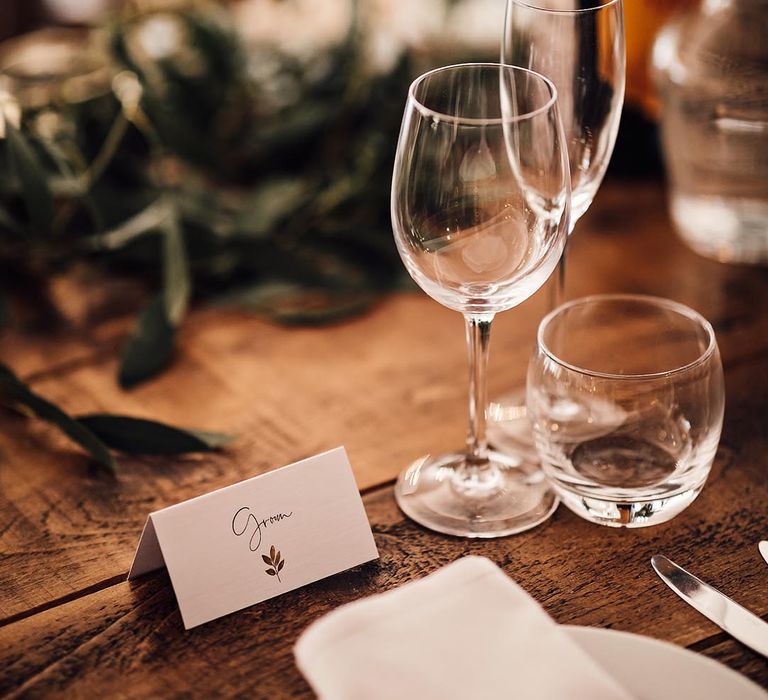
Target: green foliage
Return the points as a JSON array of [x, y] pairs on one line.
[[191, 175], [98, 433], [141, 436], [25, 168], [17, 395], [150, 347]]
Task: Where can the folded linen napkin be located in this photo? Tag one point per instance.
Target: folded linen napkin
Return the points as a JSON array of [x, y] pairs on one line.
[[466, 631]]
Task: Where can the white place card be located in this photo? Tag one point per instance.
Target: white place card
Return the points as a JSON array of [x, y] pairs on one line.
[[260, 538]]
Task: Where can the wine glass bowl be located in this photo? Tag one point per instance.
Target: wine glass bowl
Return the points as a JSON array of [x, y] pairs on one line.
[[480, 202], [475, 212], [579, 45]]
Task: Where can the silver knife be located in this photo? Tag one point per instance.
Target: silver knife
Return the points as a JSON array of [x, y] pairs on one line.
[[748, 628], [763, 547]]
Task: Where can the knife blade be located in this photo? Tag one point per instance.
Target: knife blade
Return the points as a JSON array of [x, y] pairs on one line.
[[763, 547], [727, 614]]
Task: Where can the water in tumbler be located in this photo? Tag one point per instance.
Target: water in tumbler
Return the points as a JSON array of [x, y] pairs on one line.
[[600, 449]]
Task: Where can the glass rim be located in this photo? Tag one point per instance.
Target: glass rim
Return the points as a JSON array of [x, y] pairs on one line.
[[647, 299], [478, 121], [531, 5]]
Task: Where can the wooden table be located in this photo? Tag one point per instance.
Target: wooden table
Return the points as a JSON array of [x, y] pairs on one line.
[[390, 386]]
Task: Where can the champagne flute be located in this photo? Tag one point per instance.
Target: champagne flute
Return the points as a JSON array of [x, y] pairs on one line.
[[579, 45], [480, 210]]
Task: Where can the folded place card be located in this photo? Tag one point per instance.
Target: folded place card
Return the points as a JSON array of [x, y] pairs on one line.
[[260, 538]]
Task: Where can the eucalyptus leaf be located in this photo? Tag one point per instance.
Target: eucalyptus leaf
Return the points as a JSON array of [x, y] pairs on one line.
[[177, 283], [150, 347], [318, 307], [294, 304], [69, 183], [270, 204], [296, 129], [147, 220], [142, 436], [66, 183], [35, 190], [259, 296], [16, 394]]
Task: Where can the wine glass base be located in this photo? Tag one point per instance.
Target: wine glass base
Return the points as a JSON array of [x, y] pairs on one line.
[[513, 497]]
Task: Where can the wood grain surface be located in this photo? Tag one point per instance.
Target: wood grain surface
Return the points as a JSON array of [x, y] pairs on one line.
[[127, 640], [389, 386]]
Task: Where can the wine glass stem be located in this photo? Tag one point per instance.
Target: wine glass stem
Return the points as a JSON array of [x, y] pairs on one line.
[[557, 290], [478, 330]]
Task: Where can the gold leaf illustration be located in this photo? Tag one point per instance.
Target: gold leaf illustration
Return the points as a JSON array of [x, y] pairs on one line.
[[275, 561]]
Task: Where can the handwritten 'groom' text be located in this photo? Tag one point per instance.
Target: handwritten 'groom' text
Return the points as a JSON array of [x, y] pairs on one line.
[[244, 520]]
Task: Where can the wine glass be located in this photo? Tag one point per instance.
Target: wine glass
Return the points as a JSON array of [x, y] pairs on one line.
[[579, 46], [480, 208]]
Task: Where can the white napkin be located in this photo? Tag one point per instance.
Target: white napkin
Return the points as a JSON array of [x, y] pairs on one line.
[[466, 631]]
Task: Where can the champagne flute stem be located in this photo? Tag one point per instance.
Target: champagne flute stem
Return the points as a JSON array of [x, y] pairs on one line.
[[478, 330], [557, 290]]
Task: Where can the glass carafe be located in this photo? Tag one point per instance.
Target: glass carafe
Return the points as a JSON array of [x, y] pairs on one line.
[[710, 66]]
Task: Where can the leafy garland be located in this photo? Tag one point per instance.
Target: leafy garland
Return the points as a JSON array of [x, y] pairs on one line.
[[184, 169], [197, 180]]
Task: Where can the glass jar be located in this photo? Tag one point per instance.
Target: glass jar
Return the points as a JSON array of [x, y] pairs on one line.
[[710, 67]]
